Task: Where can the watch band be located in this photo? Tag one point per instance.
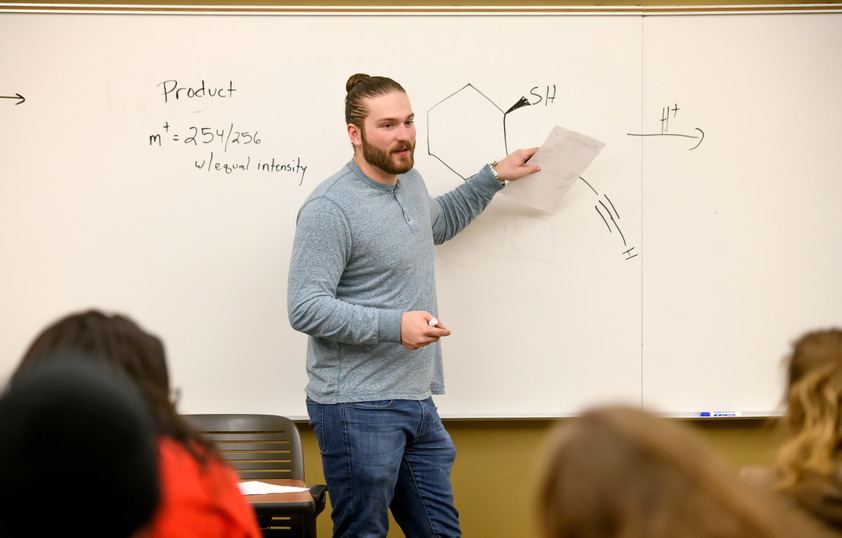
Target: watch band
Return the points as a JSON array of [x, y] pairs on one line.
[[493, 167]]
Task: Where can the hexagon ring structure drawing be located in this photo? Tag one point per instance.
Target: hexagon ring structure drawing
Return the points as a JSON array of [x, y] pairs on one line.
[[466, 130]]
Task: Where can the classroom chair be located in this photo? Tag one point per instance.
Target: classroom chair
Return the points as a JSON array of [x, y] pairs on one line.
[[261, 447]]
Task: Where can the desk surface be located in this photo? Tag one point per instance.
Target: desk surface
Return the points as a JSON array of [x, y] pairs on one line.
[[297, 501]]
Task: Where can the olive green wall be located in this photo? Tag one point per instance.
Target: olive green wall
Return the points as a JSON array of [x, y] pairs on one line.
[[494, 474]]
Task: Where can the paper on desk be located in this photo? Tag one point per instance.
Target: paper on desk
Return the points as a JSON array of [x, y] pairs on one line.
[[563, 157], [260, 488]]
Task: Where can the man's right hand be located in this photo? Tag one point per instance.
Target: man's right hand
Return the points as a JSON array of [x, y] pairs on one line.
[[416, 331]]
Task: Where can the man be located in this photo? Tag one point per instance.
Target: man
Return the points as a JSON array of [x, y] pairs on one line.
[[361, 285]]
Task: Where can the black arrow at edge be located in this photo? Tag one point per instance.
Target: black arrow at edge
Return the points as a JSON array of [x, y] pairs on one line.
[[15, 96]]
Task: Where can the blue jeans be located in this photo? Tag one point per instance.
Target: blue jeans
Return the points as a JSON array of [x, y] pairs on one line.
[[386, 454]]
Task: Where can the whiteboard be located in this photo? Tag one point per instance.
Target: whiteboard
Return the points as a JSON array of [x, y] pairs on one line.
[[742, 236], [158, 162]]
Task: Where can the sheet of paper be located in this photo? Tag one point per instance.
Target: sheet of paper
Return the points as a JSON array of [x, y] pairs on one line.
[[260, 488], [563, 157]]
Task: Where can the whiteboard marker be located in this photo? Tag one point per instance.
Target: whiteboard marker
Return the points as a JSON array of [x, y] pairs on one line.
[[433, 322], [716, 414]]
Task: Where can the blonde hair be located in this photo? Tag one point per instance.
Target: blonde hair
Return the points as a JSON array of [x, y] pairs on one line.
[[619, 472], [812, 423]]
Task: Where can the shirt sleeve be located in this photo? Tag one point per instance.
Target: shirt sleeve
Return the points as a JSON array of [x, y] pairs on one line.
[[320, 251], [453, 211]]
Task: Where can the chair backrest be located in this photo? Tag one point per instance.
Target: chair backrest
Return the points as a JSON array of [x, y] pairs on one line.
[[256, 446]]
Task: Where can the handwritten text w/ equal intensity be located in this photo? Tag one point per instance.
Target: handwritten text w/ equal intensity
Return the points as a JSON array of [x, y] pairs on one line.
[[234, 146], [229, 166]]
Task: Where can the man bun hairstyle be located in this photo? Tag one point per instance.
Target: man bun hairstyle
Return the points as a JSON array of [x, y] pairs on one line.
[[360, 87]]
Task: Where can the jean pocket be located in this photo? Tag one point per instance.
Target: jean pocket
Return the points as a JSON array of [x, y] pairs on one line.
[[316, 413], [373, 405]]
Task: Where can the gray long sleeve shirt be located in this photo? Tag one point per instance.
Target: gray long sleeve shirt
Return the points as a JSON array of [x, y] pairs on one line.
[[363, 255]]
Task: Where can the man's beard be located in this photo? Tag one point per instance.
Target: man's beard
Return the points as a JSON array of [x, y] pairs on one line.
[[384, 161]]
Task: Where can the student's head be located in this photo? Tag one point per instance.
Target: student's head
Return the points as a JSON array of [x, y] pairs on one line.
[[381, 124], [112, 339], [77, 453], [619, 472], [812, 420], [119, 342]]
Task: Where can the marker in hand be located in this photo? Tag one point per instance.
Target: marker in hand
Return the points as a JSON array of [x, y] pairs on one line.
[[433, 322]]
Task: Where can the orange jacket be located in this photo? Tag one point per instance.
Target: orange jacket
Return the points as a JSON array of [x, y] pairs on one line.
[[199, 500]]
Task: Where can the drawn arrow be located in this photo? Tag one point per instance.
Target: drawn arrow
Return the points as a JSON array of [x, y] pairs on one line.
[[521, 103], [18, 96], [700, 136]]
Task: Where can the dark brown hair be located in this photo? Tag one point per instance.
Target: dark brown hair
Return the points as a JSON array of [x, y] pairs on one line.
[[119, 342], [360, 87]]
